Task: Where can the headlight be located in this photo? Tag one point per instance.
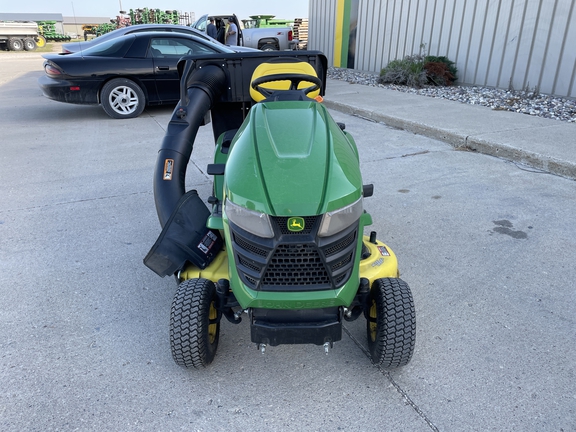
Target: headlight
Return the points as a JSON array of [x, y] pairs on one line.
[[335, 221], [252, 221]]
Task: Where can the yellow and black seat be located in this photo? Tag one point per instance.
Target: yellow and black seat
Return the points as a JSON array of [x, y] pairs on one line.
[[286, 74]]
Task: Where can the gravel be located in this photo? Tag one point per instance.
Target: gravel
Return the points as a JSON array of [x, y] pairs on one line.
[[526, 102]]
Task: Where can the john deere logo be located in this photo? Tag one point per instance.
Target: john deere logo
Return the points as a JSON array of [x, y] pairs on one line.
[[296, 224]]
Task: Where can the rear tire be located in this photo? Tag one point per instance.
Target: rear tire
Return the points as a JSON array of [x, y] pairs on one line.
[[15, 44], [29, 44], [194, 324], [122, 98], [268, 47], [391, 324]]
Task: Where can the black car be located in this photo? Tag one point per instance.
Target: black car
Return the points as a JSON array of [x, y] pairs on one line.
[[126, 73], [73, 47]]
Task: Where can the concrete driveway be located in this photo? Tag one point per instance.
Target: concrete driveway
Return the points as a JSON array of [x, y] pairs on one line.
[[487, 247]]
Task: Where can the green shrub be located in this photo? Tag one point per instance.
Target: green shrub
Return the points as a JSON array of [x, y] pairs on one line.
[[409, 71], [417, 71]]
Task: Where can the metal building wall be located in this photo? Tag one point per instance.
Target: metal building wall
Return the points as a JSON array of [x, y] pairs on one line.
[[522, 44], [321, 27]]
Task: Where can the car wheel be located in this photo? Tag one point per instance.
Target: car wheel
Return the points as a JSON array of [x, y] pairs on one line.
[[391, 324], [268, 47], [194, 324], [15, 44], [29, 44], [122, 98]]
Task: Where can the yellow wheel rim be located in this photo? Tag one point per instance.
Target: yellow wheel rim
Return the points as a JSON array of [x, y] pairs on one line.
[[212, 328], [372, 324], [41, 42]]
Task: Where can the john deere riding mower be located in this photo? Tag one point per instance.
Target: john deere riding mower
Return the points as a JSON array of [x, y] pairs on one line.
[[283, 242]]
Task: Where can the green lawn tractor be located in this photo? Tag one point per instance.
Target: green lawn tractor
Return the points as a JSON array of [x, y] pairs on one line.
[[283, 242]]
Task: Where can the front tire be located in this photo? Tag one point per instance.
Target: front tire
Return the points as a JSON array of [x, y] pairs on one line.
[[391, 324], [122, 98], [194, 324]]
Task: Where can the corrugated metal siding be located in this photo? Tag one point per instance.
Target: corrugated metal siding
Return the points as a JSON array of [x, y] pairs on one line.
[[523, 44], [321, 33]]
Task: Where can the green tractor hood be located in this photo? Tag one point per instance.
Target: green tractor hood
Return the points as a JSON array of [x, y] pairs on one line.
[[291, 158]]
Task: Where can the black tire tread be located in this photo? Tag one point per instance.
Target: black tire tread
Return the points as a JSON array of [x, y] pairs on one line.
[[29, 44], [189, 320], [16, 44], [396, 323]]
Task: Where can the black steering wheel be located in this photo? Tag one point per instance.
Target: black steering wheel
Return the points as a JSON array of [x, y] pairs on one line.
[[294, 78]]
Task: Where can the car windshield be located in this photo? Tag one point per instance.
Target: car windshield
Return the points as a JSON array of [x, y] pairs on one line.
[[201, 23], [249, 24], [112, 48]]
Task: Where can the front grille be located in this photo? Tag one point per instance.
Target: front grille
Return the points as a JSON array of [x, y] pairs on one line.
[[246, 263], [342, 263], [342, 245], [295, 265], [291, 261], [255, 249]]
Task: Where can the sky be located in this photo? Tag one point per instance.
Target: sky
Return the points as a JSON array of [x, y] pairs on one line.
[[109, 8]]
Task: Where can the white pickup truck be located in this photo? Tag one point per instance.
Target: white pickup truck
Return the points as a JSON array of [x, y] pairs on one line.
[[265, 39], [19, 35]]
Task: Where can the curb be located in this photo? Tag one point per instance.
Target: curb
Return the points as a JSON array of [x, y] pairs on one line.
[[464, 142], [535, 160]]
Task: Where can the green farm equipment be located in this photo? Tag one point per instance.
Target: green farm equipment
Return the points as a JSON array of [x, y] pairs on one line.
[[48, 30], [266, 21], [143, 16], [105, 28], [154, 16]]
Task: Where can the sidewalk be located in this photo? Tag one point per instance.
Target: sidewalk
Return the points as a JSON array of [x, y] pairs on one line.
[[545, 144]]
